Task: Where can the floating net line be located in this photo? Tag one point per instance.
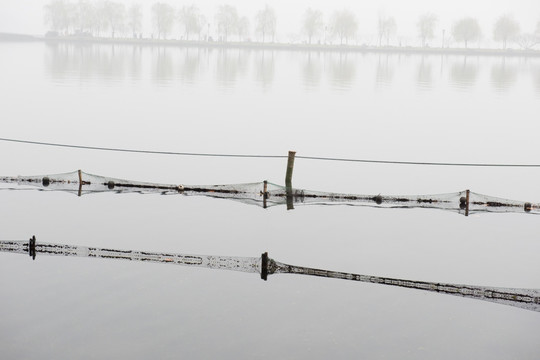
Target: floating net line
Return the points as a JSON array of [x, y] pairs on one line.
[[528, 299], [267, 194]]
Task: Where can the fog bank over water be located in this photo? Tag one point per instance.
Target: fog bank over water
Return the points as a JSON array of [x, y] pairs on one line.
[[28, 16]]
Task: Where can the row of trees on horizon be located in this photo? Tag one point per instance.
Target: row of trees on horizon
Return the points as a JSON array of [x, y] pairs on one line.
[[104, 17]]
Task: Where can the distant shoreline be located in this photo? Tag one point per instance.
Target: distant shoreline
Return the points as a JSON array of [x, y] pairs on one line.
[[7, 37]]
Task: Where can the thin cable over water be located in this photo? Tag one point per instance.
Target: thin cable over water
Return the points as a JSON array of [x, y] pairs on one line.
[[320, 158]]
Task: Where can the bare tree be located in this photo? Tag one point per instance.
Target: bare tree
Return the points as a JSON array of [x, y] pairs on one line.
[[344, 25], [387, 29], [266, 22], [243, 28], [114, 14], [527, 41], [313, 23], [163, 18], [465, 30], [134, 16], [191, 20], [57, 15], [100, 22], [227, 20], [86, 16], [537, 32], [506, 28], [426, 27]]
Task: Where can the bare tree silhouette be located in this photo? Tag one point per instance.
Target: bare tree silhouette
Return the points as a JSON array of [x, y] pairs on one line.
[[266, 22], [505, 29], [465, 30], [426, 27], [313, 23], [344, 25]]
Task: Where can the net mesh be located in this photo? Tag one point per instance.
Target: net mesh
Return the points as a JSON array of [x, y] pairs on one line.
[[266, 194]]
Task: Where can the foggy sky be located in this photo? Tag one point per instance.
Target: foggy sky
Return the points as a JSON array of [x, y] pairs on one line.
[[27, 16]]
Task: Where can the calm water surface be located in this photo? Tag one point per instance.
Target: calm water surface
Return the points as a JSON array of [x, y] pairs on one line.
[[370, 106]]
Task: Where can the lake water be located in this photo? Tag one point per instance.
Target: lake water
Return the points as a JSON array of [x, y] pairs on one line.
[[447, 108]]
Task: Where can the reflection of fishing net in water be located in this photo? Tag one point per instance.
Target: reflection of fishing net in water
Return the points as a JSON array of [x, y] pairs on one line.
[[267, 194], [523, 298], [235, 263]]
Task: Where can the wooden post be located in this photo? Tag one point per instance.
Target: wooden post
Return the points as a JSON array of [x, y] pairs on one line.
[[265, 193], [80, 182], [288, 180]]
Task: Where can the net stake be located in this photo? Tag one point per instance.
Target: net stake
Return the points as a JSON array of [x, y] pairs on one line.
[[265, 193], [288, 179], [80, 182]]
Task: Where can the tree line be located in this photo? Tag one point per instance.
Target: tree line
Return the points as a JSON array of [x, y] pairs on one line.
[[111, 18]]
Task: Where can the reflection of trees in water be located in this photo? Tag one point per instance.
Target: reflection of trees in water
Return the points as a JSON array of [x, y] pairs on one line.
[[163, 69], [385, 70], [89, 61], [464, 73], [424, 76], [190, 63], [311, 70], [342, 70], [536, 76], [264, 68], [230, 64], [135, 68], [503, 75], [58, 61]]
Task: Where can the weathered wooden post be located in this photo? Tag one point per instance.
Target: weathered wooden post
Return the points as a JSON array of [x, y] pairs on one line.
[[288, 180], [265, 193], [80, 182]]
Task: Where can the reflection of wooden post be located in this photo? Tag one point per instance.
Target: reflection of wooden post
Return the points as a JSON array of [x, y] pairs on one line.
[[264, 266], [288, 180], [80, 182], [32, 247], [467, 193]]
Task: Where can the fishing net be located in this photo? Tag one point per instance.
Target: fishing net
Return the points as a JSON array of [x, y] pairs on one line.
[[449, 201], [479, 203], [266, 194]]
